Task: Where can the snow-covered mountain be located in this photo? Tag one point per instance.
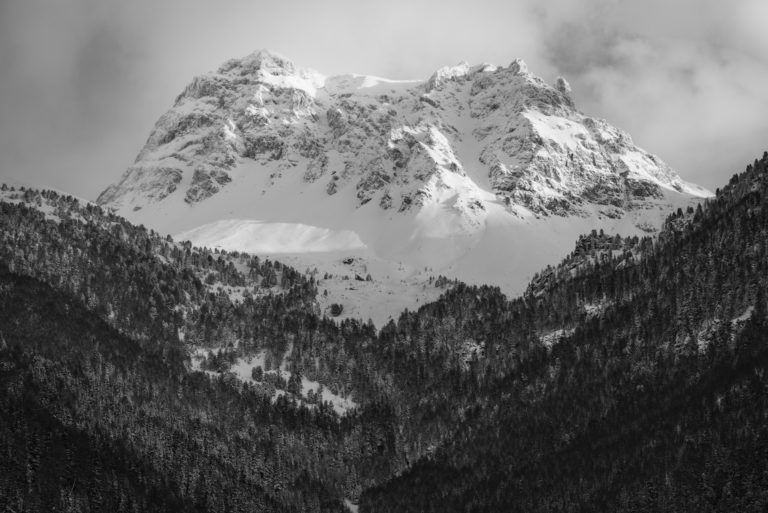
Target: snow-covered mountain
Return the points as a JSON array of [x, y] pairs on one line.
[[483, 173]]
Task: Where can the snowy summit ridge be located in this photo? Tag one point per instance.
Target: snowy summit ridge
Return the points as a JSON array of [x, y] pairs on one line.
[[421, 171]]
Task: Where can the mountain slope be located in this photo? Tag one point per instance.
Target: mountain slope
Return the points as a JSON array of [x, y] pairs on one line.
[[483, 173], [651, 394], [624, 379]]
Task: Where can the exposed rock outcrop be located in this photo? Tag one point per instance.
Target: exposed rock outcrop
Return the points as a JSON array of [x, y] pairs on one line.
[[466, 129]]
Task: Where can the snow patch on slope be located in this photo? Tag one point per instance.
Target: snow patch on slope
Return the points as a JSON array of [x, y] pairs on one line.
[[242, 369], [271, 238]]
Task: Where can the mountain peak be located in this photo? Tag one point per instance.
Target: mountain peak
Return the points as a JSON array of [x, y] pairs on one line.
[[418, 170], [563, 86], [519, 67], [267, 60], [447, 73], [264, 60]]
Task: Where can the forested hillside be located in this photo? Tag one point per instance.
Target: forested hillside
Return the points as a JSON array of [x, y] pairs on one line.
[[411, 380], [653, 395], [631, 377]]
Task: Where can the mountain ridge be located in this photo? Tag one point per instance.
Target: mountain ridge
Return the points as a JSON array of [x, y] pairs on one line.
[[455, 173], [266, 72]]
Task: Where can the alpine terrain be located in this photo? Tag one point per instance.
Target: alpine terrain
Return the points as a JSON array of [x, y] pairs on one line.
[[141, 374], [351, 294], [480, 173]]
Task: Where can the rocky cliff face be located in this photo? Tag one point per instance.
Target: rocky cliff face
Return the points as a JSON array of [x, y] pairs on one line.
[[501, 129], [483, 173]]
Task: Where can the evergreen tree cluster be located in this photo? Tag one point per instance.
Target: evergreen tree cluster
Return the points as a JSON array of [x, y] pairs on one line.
[[653, 399], [631, 377]]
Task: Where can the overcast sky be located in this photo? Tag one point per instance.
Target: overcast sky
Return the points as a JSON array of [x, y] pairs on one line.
[[82, 82]]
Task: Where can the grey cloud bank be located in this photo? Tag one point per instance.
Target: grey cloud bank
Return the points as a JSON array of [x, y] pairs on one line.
[[82, 82]]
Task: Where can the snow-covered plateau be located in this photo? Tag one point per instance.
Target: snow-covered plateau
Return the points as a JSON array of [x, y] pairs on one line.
[[482, 173]]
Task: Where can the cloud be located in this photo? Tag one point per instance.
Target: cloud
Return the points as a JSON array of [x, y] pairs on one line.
[[687, 79], [64, 68], [82, 82]]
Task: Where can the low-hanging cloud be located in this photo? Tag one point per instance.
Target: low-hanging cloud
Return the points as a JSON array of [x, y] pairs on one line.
[[686, 79], [82, 82]]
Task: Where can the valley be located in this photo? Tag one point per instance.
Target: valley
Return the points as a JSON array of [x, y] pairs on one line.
[[348, 293]]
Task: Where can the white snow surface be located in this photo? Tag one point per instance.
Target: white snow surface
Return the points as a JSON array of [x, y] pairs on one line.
[[550, 338], [482, 173], [271, 238], [243, 367]]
